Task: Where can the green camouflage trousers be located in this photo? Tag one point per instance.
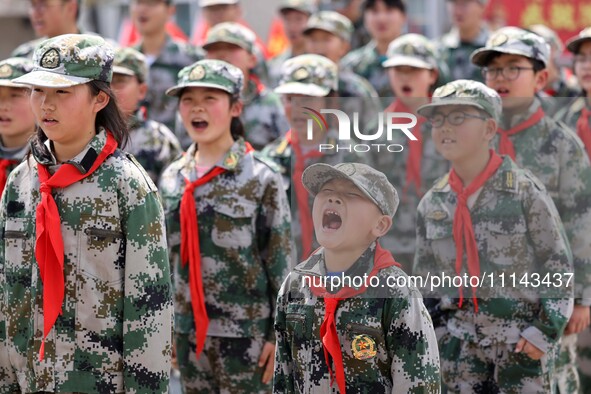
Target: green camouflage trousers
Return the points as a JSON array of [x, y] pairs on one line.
[[584, 360], [226, 365], [566, 378], [467, 367]]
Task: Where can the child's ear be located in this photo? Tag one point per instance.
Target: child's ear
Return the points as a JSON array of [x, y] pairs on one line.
[[143, 90], [345, 47], [252, 61], [382, 226], [541, 78], [100, 101], [236, 108], [491, 129], [434, 76]]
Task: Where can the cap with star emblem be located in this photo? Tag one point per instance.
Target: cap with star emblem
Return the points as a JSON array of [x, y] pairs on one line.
[[332, 22], [512, 41], [70, 59], [13, 68], [209, 73], [412, 50], [574, 43], [312, 75], [465, 92], [231, 33], [128, 61], [371, 182]]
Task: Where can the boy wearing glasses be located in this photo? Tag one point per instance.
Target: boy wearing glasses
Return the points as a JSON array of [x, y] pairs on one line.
[[514, 64], [499, 338]]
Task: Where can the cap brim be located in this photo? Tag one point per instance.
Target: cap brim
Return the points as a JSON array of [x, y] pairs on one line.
[[232, 42], [401, 60], [8, 83], [175, 90], [302, 88], [574, 43], [427, 109], [123, 70], [308, 30], [50, 80], [315, 176], [480, 57], [208, 3]]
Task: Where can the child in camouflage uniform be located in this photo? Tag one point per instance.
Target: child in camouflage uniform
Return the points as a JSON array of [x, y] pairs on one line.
[[17, 122], [263, 115], [412, 70], [500, 338], [514, 62], [376, 338], [152, 143], [307, 81], [228, 227], [85, 295]]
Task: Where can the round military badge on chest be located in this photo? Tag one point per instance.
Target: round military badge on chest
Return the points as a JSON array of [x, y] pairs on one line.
[[5, 71], [50, 59], [363, 347]]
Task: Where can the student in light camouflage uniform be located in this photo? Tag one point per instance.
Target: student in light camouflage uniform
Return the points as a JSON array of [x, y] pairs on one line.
[[412, 69], [17, 121], [578, 117], [307, 81], [152, 143], [468, 34], [228, 228], [165, 56], [514, 62], [295, 15], [498, 338], [49, 19], [384, 19], [263, 115], [352, 10], [372, 339], [84, 281]]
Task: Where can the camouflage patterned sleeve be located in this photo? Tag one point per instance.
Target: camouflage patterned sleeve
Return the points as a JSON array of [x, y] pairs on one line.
[[274, 238], [412, 345], [554, 257], [147, 316], [575, 212], [283, 376], [8, 380]]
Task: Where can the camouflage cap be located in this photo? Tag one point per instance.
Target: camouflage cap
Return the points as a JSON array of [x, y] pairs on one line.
[[465, 92], [70, 59], [128, 61], [231, 33], [312, 75], [371, 182], [412, 50], [332, 22], [574, 43], [549, 35], [513, 41], [209, 73], [209, 3], [13, 68], [305, 6]]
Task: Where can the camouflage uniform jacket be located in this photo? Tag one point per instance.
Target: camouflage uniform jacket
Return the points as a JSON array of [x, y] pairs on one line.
[[244, 235], [571, 113], [367, 63], [517, 229], [13, 154], [555, 155], [114, 333], [162, 75], [406, 359], [456, 55], [153, 145], [263, 115]]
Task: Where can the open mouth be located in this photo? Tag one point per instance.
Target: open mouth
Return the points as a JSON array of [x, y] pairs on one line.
[[49, 121], [406, 89], [199, 124], [331, 220], [4, 119], [503, 91], [447, 141]]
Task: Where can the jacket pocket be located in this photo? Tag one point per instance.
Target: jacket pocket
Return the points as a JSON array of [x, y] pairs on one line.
[[233, 226]]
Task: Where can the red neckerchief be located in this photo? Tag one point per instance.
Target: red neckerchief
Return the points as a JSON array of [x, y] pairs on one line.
[[328, 330], [463, 231], [191, 251], [584, 130], [4, 164], [49, 244], [506, 146], [306, 225]]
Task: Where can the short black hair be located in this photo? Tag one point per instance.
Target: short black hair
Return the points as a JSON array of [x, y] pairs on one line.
[[537, 65], [400, 4]]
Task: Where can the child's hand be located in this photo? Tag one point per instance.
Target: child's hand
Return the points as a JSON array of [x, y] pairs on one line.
[[579, 320], [268, 358], [529, 349]]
